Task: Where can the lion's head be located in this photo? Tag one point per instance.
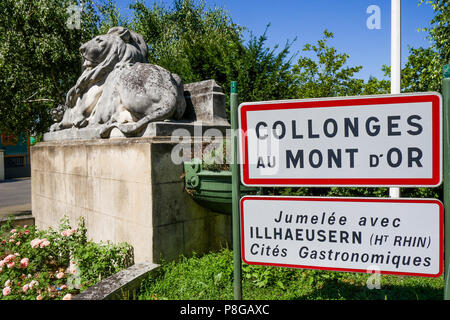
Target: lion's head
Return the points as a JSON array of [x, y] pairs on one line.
[[119, 44], [119, 47]]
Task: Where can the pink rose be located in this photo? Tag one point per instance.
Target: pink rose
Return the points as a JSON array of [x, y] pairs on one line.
[[9, 258], [25, 288], [67, 297], [63, 287], [44, 243], [35, 242], [6, 291], [59, 275], [27, 231], [24, 262], [13, 230], [10, 264], [64, 233], [2, 263], [32, 284], [8, 283]]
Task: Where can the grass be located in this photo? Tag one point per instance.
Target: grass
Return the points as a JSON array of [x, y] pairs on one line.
[[210, 277]]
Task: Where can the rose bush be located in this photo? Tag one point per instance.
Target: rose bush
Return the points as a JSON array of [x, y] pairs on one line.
[[50, 264]]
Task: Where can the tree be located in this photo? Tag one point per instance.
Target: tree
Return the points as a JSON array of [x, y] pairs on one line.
[[439, 33], [193, 41], [110, 16], [200, 43], [326, 74], [423, 70], [262, 73], [39, 59]]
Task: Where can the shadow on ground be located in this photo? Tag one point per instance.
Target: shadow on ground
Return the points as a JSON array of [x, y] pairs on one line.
[[332, 289]]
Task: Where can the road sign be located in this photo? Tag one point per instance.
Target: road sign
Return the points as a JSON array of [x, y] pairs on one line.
[[392, 236], [384, 140]]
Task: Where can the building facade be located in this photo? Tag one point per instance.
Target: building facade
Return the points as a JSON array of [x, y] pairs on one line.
[[16, 155]]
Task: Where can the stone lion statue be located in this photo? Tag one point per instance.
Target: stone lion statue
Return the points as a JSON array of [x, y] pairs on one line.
[[118, 88]]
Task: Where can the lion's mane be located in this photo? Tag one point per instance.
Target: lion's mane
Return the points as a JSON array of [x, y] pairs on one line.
[[128, 48]]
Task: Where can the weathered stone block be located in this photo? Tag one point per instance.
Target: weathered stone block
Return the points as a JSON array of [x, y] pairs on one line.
[[205, 102]]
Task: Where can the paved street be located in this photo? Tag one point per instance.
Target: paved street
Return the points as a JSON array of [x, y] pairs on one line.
[[15, 196]]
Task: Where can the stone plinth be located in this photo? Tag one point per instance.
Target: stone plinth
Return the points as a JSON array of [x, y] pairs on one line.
[[205, 102], [127, 190], [154, 129]]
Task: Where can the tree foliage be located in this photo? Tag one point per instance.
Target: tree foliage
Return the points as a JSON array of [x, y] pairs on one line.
[[423, 69], [198, 43], [39, 59], [325, 73], [189, 39]]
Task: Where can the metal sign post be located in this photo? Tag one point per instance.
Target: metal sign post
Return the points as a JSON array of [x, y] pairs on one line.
[[236, 194], [396, 67]]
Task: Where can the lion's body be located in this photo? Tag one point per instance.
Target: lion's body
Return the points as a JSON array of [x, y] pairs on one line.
[[117, 87]]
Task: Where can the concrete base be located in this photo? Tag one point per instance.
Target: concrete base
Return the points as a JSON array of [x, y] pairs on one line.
[[128, 190]]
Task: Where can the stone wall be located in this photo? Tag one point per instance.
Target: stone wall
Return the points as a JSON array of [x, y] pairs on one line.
[[127, 190]]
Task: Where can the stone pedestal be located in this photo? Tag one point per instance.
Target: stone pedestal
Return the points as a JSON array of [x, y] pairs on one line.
[[128, 190], [205, 102]]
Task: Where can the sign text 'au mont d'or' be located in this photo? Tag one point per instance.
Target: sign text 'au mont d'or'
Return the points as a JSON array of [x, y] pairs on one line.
[[385, 140], [392, 236]]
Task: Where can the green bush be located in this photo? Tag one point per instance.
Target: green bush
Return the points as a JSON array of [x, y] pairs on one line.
[[51, 264]]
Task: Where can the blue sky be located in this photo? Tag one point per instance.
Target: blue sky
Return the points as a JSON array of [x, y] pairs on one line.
[[307, 19]]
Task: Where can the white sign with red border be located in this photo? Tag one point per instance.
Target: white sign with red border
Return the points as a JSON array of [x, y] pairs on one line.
[[392, 236], [384, 140]]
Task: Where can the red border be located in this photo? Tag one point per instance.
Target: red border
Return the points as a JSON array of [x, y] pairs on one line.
[[435, 180], [441, 231]]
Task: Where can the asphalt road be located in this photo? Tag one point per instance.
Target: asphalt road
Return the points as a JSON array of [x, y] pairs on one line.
[[15, 196]]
